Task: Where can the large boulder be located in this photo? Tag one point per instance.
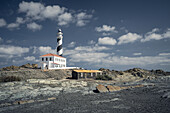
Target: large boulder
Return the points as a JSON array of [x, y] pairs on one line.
[[101, 89]]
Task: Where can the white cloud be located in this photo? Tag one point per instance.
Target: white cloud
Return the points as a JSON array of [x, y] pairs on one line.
[[34, 26], [107, 41], [32, 9], [71, 44], [88, 57], [82, 19], [94, 58], [46, 50], [85, 49], [38, 11], [156, 36], [2, 22], [64, 19], [91, 42], [13, 25], [129, 38], [167, 33], [91, 48], [30, 58], [152, 36], [135, 61], [136, 54], [20, 20], [52, 11], [106, 28], [106, 34], [13, 50], [164, 54]]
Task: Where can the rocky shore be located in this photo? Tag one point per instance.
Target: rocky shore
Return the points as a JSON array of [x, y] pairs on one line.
[[47, 92]]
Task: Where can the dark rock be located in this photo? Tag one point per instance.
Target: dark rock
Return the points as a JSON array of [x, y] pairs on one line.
[[10, 68], [27, 66], [35, 66]]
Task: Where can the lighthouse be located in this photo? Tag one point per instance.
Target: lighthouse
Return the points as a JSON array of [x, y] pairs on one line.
[[59, 42], [55, 61]]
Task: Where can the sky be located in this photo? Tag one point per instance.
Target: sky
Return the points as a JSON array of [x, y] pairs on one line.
[[112, 34]]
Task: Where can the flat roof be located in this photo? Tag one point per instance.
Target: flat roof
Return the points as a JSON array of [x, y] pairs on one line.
[[87, 71]]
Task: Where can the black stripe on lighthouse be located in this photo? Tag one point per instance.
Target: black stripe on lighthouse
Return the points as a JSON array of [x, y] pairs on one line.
[[59, 48]]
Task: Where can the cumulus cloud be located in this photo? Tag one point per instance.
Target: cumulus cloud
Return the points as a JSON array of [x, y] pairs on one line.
[[88, 57], [82, 19], [91, 56], [85, 49], [13, 25], [52, 12], [34, 26], [71, 44], [107, 41], [20, 20], [91, 48], [38, 11], [106, 28], [153, 35], [30, 58], [143, 60], [46, 49], [136, 54], [32, 9], [91, 42], [2, 22], [164, 54], [13, 50], [128, 38], [16, 24], [64, 19]]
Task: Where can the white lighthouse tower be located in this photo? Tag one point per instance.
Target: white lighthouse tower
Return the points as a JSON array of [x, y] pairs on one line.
[[59, 42]]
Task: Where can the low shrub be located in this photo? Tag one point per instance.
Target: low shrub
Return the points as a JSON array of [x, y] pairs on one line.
[[9, 78], [103, 77]]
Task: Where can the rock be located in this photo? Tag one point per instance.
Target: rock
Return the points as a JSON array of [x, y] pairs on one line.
[[113, 88], [101, 89], [27, 66], [35, 66], [10, 68]]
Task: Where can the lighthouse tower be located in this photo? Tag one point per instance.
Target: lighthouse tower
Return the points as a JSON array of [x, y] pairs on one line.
[[59, 42]]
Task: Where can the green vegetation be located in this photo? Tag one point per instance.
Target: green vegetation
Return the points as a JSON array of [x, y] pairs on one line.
[[9, 78], [103, 77]]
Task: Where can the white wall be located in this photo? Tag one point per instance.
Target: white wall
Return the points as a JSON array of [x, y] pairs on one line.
[[59, 60]]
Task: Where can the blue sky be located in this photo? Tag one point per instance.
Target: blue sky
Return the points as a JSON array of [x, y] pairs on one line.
[[114, 34]]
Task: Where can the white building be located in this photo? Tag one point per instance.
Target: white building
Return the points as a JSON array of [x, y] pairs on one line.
[[52, 61]]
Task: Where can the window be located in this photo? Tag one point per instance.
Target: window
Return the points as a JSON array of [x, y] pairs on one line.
[[46, 59], [42, 59], [50, 59]]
